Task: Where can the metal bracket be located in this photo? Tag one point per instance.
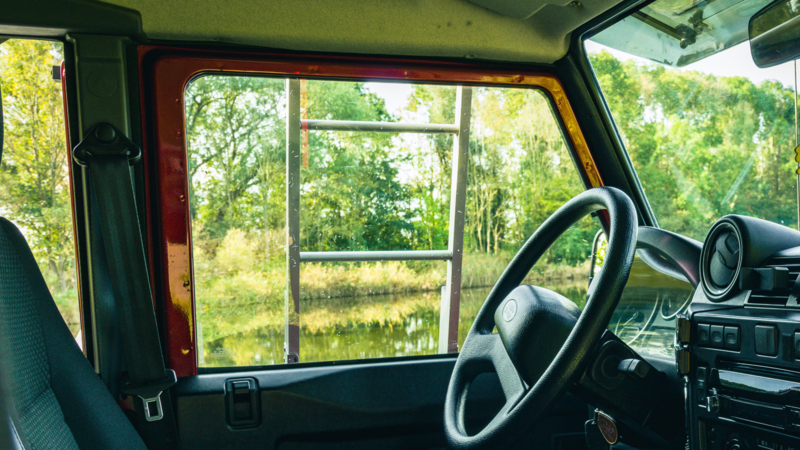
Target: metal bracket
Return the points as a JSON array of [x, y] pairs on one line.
[[159, 414], [104, 140]]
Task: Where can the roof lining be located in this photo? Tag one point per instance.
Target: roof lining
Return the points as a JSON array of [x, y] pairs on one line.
[[415, 28]]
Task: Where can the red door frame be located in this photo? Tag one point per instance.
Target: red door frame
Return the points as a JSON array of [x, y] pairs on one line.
[[164, 75]]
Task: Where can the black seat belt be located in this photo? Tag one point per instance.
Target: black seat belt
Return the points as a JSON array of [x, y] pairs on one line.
[[109, 154]]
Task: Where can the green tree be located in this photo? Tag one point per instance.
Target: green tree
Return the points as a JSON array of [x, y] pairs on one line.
[[704, 146], [351, 196], [34, 184], [237, 146]]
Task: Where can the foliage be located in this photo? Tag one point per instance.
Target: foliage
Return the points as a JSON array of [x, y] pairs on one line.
[[376, 191], [363, 191], [704, 146], [242, 298], [34, 189]]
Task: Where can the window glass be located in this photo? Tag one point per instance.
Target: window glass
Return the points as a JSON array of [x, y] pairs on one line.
[[362, 190], [34, 174], [520, 172], [649, 305], [646, 313], [707, 131], [712, 138]]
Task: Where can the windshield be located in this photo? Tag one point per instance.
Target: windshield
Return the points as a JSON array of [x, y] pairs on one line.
[[713, 137], [680, 32]]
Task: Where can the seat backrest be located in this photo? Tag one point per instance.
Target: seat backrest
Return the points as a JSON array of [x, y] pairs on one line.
[[57, 399]]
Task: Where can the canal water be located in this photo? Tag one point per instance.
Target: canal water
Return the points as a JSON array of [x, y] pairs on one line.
[[416, 334]]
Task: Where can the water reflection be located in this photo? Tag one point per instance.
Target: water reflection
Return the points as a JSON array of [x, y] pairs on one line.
[[417, 334]]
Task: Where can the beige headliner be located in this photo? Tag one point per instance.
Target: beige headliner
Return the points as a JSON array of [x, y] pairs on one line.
[[443, 28]]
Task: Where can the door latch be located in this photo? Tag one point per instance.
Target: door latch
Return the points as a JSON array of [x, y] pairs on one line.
[[242, 400]]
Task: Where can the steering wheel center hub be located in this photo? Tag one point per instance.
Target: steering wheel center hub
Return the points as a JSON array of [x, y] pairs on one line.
[[510, 310], [533, 323]]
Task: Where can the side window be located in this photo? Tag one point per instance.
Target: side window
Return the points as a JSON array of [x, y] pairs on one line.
[[373, 210], [34, 174]]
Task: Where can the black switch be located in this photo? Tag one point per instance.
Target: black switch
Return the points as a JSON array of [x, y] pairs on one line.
[[797, 345], [702, 373], [717, 336], [703, 334], [794, 418], [732, 338], [241, 388], [242, 407], [634, 366], [766, 340]]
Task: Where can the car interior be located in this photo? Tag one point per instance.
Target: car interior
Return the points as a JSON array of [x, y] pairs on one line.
[[464, 224]]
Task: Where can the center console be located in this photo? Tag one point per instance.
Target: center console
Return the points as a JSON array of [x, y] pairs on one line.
[[739, 343], [745, 385]]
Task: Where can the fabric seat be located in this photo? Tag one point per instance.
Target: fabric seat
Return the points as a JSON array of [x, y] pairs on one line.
[[57, 401]]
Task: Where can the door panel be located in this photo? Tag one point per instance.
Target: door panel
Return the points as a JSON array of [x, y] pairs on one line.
[[384, 405]]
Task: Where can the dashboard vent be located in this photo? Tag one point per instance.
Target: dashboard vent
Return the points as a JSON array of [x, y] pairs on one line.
[[791, 263], [721, 260], [724, 259], [768, 299], [771, 298]]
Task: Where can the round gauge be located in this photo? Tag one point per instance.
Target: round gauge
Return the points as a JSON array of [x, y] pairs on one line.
[[632, 316], [672, 303]]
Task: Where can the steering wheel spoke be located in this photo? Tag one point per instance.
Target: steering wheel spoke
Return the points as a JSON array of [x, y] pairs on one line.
[[510, 380], [485, 353]]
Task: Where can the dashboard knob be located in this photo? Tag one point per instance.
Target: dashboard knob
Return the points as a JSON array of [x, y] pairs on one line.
[[734, 444], [712, 401]]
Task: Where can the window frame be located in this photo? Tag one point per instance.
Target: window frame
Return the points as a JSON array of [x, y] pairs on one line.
[[605, 120], [164, 77], [62, 72]]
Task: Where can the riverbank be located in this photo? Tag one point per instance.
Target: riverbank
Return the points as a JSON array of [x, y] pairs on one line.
[[346, 295]]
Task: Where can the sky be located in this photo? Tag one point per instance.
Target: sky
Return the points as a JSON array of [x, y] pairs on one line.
[[395, 94]]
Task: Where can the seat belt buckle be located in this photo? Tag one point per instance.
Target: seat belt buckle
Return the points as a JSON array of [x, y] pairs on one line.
[[150, 393], [153, 410]]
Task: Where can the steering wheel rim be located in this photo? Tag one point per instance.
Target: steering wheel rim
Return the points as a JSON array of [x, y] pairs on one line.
[[483, 351]]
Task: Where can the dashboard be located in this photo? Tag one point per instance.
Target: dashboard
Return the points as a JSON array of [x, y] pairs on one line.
[[738, 342]]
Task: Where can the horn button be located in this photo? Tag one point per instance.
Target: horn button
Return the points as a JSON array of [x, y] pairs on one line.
[[533, 324]]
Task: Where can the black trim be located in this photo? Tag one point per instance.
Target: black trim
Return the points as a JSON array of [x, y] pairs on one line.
[[81, 239], [57, 18]]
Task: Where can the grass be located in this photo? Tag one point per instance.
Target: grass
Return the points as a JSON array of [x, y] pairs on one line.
[[233, 297]]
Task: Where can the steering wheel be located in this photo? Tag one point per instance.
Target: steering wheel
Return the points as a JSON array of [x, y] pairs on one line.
[[543, 342]]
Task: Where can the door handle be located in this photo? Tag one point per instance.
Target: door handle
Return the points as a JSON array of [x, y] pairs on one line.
[[242, 401]]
